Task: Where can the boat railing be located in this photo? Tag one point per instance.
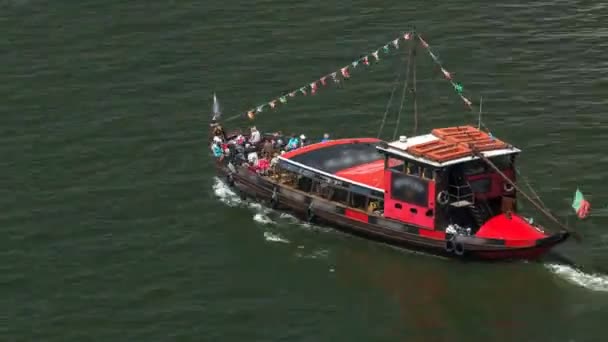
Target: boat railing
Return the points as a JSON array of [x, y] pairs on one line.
[[461, 195]]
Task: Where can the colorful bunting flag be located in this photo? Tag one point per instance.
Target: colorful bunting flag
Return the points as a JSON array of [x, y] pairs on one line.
[[313, 88], [396, 43], [458, 88], [446, 74], [344, 72]]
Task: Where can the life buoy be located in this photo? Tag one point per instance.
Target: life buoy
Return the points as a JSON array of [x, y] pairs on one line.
[[443, 197], [449, 246], [458, 248], [310, 214], [274, 199], [508, 187]]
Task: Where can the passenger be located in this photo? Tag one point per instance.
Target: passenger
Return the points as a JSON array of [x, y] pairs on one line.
[[255, 136], [292, 143], [325, 137], [274, 161], [218, 131], [302, 140], [217, 150], [240, 140], [263, 166], [267, 149]]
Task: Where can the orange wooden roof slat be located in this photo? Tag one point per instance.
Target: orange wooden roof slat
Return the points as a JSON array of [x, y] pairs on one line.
[[455, 142]]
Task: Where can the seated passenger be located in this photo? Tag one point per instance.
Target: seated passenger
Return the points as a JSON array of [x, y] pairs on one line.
[[325, 137], [216, 148], [303, 140], [293, 143]]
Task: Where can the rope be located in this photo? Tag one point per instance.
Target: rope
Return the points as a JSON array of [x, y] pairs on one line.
[[390, 101], [407, 81], [415, 95], [539, 207], [530, 187]]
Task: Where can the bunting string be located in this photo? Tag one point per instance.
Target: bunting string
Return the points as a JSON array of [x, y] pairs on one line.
[[458, 88], [344, 73]]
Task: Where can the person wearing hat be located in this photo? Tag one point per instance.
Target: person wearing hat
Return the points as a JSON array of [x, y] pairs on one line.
[[325, 137]]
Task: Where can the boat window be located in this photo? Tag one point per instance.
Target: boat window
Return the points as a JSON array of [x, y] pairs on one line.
[[358, 201], [340, 195], [409, 189], [413, 169], [427, 173], [304, 184], [481, 185], [395, 164]]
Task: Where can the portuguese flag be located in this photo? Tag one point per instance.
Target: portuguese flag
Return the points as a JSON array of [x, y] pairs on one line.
[[580, 205]]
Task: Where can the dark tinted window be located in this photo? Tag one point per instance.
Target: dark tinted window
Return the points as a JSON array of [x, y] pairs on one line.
[[481, 185], [409, 189], [334, 158]]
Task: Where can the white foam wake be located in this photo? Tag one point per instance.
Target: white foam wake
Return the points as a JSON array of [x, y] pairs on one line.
[[274, 237], [595, 282]]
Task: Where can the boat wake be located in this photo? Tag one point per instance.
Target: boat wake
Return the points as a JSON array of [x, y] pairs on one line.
[[591, 281]]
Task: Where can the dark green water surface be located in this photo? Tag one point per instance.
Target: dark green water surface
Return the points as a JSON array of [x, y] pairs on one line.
[[115, 229]]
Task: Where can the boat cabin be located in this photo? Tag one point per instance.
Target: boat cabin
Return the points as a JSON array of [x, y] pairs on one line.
[[430, 181], [438, 179]]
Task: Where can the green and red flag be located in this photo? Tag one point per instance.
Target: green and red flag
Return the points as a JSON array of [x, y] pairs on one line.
[[580, 204]]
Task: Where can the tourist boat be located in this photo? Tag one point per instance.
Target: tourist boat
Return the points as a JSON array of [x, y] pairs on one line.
[[452, 191]]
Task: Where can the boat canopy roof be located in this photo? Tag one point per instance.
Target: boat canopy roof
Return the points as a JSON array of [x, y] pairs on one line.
[[355, 161], [448, 146]]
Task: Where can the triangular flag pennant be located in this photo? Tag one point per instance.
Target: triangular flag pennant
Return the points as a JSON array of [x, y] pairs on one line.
[[469, 103], [458, 88], [407, 36], [260, 109], [366, 60], [323, 80], [344, 72], [251, 114], [292, 94], [385, 48], [272, 103], [303, 90], [446, 74], [283, 99], [313, 88], [334, 76], [425, 44], [375, 54], [396, 43], [355, 63]]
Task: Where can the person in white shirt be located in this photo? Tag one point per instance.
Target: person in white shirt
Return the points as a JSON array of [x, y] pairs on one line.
[[255, 136]]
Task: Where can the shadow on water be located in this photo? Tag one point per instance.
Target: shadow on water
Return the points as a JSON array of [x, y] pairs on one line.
[[447, 300]]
